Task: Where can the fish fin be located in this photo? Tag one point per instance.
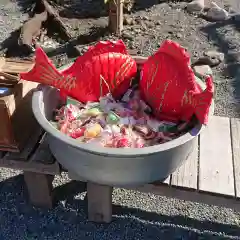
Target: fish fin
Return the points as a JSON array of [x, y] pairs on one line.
[[43, 70], [204, 100]]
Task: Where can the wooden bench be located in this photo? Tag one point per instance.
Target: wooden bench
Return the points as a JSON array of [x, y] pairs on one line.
[[211, 175], [39, 168]]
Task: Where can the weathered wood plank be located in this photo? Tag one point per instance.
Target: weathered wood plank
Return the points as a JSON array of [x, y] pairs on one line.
[[41, 161], [215, 163], [235, 131], [39, 189], [52, 169], [28, 149], [99, 203], [186, 175]]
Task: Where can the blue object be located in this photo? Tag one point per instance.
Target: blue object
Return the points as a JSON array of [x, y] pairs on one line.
[[4, 91]]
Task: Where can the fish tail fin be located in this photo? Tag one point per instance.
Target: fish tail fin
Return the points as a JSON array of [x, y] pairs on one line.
[[204, 100], [43, 70]]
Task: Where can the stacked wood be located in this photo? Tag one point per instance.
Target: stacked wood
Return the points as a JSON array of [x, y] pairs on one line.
[[9, 70], [15, 66]]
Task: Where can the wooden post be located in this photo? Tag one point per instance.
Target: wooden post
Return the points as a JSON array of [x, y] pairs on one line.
[[39, 189], [99, 203], [116, 16]]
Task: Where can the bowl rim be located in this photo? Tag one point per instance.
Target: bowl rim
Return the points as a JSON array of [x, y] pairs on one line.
[[37, 106]]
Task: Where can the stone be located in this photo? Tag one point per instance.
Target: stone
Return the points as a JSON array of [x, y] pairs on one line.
[[211, 58], [136, 30], [138, 21], [216, 13], [127, 36], [150, 25], [207, 61], [179, 35], [202, 70], [214, 55], [128, 21], [196, 6], [144, 26]]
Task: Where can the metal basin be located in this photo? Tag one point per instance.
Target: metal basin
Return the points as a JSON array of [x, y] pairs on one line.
[[114, 167]]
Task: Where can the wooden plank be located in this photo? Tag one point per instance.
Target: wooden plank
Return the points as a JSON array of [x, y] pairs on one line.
[[52, 169], [215, 163], [28, 149], [39, 189], [235, 131], [43, 153], [99, 203], [186, 175], [191, 195], [8, 78], [15, 66], [34, 164]]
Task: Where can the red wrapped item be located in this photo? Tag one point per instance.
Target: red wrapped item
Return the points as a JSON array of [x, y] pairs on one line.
[[79, 132], [104, 68], [168, 85], [122, 142]]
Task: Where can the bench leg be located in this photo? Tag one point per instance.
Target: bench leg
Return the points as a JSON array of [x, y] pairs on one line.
[[39, 188], [99, 203]]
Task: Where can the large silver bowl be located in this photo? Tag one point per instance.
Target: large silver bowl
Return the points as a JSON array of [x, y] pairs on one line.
[[114, 167]]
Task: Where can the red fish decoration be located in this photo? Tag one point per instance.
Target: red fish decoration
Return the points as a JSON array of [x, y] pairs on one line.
[[105, 67], [168, 85]]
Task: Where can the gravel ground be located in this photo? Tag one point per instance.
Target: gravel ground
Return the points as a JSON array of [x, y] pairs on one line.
[[136, 215]]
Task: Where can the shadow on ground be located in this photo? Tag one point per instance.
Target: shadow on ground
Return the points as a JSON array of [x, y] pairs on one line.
[[232, 55], [68, 220], [11, 48], [26, 6]]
